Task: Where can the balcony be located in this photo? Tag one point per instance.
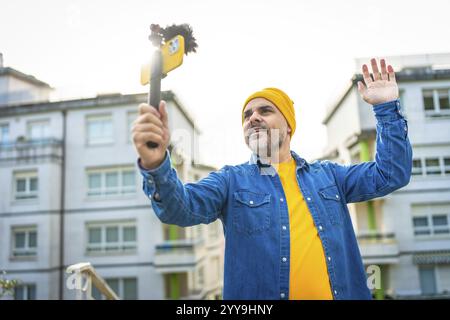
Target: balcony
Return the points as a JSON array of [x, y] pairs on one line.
[[174, 256], [378, 247], [30, 151]]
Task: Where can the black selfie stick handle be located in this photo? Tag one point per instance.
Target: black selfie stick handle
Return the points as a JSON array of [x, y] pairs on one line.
[[154, 96]]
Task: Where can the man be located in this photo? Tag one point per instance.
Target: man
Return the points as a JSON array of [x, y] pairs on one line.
[[287, 227]]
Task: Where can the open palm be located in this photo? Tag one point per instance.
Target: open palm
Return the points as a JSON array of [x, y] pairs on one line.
[[382, 88]]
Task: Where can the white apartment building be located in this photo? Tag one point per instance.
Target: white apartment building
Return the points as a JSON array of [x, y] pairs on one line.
[[71, 192], [407, 233]]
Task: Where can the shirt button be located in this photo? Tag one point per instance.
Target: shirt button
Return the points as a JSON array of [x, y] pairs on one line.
[[282, 295], [309, 199], [251, 202], [405, 128], [337, 197], [329, 258], [156, 196], [320, 228], [281, 199], [150, 181], [284, 259], [335, 292], [284, 227]]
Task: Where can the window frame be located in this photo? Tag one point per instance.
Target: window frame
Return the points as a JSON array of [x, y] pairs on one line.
[[437, 111], [104, 247], [429, 213], [29, 252], [104, 140], [27, 287], [2, 138], [422, 171], [47, 131], [27, 194], [106, 192]]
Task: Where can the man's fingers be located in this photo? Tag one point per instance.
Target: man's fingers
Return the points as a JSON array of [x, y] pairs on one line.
[[149, 117], [361, 88], [141, 138], [391, 73], [366, 74], [375, 71], [146, 108], [148, 127], [164, 114], [384, 74]]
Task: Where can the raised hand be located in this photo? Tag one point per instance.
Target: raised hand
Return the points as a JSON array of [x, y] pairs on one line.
[[382, 88], [151, 125]]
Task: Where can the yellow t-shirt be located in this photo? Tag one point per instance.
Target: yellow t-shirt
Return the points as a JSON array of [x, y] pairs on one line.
[[308, 278]]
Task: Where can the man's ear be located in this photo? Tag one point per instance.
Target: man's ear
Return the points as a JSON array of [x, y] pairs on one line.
[[289, 130]]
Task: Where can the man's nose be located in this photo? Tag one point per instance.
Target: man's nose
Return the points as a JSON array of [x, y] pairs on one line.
[[254, 118]]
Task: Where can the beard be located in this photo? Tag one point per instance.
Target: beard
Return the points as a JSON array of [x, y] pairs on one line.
[[264, 142]]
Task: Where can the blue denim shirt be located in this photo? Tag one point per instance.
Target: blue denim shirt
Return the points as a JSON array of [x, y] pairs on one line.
[[250, 201]]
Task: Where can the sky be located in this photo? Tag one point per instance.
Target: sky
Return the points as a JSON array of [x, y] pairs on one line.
[[306, 48]]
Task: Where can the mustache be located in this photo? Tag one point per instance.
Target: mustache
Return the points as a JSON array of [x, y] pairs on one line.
[[254, 129]]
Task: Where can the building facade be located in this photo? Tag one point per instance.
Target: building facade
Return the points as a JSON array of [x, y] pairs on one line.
[[71, 192], [407, 233]]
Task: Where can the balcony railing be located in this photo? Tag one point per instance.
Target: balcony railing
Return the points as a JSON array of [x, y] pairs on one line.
[[30, 151], [376, 236], [84, 271], [378, 247]]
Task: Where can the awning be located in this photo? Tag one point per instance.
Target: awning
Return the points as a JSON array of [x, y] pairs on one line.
[[432, 257]]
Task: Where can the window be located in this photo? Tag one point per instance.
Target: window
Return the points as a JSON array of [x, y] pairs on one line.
[[38, 130], [436, 102], [446, 165], [131, 116], [427, 280], [428, 100], [431, 220], [435, 166], [4, 133], [25, 292], [125, 288], [111, 237], [111, 181], [421, 226], [24, 241], [25, 185], [99, 129], [417, 167], [443, 99], [432, 166], [440, 224]]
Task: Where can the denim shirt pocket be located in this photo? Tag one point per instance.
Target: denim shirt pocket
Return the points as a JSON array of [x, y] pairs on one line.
[[251, 211], [332, 203]]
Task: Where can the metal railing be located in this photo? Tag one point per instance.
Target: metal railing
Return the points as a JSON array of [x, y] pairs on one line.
[[85, 271], [31, 150], [376, 236]]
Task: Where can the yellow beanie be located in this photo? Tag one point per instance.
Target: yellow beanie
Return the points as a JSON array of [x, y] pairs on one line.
[[281, 100]]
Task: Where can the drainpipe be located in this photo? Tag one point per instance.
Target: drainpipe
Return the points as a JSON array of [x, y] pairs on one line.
[[365, 156], [62, 207], [371, 219], [174, 278]]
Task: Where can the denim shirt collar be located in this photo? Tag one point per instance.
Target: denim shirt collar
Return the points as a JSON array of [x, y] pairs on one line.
[[267, 169]]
